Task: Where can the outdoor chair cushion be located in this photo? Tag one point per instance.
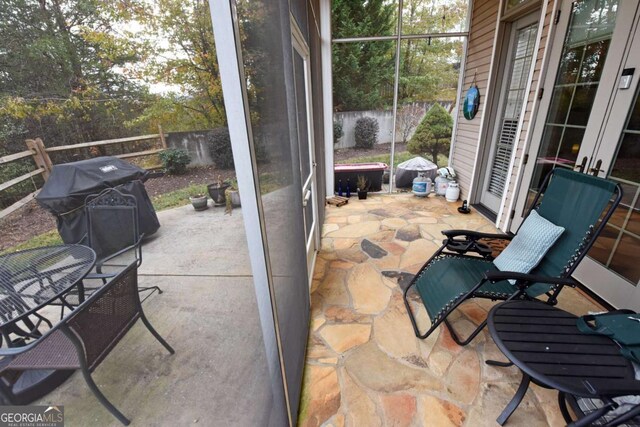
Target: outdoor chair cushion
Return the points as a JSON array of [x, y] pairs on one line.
[[449, 278], [535, 237]]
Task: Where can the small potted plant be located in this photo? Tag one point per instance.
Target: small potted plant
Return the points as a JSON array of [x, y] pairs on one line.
[[217, 190], [199, 202], [232, 195], [363, 187]]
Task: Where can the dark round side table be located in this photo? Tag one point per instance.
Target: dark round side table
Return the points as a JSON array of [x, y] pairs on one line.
[[545, 344]]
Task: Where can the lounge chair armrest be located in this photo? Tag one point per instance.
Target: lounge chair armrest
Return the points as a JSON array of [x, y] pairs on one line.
[[497, 276], [475, 235]]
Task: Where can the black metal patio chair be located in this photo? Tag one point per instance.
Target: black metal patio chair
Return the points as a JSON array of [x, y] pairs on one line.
[[462, 268], [85, 335], [113, 232], [605, 412]]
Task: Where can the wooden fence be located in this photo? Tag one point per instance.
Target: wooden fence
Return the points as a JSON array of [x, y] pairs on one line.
[[43, 164]]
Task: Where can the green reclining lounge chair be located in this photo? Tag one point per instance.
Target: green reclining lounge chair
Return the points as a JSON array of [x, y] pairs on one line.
[[462, 268]]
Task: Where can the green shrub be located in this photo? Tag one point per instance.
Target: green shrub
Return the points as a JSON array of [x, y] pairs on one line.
[[220, 148], [366, 132], [338, 132], [433, 135], [175, 161]]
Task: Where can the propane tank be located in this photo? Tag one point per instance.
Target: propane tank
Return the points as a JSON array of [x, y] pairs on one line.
[[421, 185], [441, 185], [453, 192]]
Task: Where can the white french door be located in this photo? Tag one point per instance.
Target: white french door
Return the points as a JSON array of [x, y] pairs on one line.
[[302, 80], [522, 40], [612, 268], [590, 127]]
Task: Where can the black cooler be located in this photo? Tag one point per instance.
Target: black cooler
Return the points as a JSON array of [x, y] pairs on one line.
[[69, 184]]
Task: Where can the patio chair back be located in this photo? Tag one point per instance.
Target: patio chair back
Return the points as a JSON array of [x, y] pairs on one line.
[[580, 203], [112, 222]]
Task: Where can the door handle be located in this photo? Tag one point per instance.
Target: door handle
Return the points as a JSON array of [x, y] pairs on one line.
[[307, 196], [596, 169], [580, 168]]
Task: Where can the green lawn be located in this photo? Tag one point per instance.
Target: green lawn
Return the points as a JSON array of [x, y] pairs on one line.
[[400, 157]]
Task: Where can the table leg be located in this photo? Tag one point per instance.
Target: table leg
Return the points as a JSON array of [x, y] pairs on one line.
[[515, 401], [498, 363]]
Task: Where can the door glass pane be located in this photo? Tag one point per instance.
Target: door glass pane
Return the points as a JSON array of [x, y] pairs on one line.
[[301, 104], [618, 248], [582, 59], [521, 58]]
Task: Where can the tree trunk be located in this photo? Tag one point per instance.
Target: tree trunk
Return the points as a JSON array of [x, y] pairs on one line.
[[65, 34]]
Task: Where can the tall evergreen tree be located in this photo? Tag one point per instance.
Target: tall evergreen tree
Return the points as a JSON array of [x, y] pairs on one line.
[[433, 135], [363, 72]]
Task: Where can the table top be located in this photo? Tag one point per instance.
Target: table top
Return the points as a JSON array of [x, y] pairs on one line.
[[544, 342], [33, 278]]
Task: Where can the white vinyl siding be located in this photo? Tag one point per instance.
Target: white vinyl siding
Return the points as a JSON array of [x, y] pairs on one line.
[[484, 16]]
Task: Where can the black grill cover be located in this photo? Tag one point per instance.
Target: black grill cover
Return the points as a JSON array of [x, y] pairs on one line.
[[69, 185]]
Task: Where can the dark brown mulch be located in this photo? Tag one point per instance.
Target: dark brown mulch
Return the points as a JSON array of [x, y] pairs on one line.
[[32, 220], [343, 154], [195, 175]]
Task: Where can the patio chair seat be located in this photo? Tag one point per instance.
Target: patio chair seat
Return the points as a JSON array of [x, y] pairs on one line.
[[451, 278]]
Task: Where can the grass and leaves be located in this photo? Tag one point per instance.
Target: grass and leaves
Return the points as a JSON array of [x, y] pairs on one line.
[[45, 239], [178, 197]]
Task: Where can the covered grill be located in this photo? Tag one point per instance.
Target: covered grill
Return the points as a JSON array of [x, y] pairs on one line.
[[69, 184]]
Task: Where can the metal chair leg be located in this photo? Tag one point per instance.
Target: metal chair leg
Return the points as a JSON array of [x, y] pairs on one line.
[[470, 338], [155, 333], [515, 401], [87, 377], [562, 403], [101, 397], [149, 288]]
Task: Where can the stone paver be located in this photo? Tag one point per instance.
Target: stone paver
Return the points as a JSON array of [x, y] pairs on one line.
[[364, 366]]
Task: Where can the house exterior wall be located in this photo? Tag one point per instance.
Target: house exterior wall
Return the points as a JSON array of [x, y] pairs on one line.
[[471, 136], [480, 47]]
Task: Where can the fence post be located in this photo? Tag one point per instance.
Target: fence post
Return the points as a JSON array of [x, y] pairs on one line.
[[162, 140], [40, 156]]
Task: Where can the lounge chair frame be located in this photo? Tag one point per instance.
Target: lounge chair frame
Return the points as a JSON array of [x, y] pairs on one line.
[[460, 243]]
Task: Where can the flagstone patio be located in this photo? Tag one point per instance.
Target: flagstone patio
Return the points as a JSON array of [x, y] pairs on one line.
[[364, 366]]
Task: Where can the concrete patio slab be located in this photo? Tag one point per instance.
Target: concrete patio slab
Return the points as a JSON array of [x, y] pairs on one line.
[[208, 313], [218, 375], [195, 243]]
